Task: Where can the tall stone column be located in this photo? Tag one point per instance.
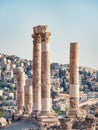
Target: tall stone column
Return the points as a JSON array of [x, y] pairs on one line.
[[37, 69], [74, 80], [28, 96], [20, 77], [45, 71]]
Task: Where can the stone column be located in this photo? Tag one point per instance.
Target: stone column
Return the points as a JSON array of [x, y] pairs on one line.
[[28, 96], [74, 80], [20, 77], [45, 71], [37, 68]]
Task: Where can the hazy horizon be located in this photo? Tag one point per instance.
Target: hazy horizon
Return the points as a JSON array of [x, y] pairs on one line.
[[67, 20]]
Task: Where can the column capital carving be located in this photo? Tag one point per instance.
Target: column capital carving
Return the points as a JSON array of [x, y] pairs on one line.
[[40, 29], [46, 37], [37, 29], [44, 28], [37, 38]]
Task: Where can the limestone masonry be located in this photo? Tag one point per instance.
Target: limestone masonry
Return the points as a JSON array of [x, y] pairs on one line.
[[20, 89], [33, 97], [45, 71], [36, 69], [74, 79], [41, 69], [28, 96]]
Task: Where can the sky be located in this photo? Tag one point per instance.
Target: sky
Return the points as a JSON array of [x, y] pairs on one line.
[[67, 20]]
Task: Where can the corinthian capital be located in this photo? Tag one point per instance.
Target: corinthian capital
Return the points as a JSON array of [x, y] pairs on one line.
[[37, 29], [44, 28], [46, 37], [37, 38]]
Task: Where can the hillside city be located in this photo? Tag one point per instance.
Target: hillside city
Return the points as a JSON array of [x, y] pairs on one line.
[[88, 78]]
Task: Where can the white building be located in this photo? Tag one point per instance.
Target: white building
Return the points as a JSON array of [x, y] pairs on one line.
[[1, 92]]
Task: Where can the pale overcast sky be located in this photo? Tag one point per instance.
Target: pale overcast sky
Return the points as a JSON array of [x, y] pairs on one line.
[[68, 21]]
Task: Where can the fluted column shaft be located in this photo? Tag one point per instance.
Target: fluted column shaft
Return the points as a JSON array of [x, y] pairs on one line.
[[28, 96], [20, 76], [36, 72], [74, 79], [45, 72]]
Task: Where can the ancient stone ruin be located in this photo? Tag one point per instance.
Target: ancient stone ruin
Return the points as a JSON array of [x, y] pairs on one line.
[[33, 97]]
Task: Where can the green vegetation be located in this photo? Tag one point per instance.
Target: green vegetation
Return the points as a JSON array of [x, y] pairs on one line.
[[59, 112], [62, 73], [2, 85], [54, 66], [11, 89], [63, 84], [1, 98], [1, 112], [53, 94]]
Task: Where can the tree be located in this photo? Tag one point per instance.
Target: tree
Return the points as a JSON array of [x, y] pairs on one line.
[[53, 94], [1, 112], [9, 98], [1, 98], [54, 66], [89, 85], [63, 84], [80, 72], [3, 69], [2, 85], [61, 73]]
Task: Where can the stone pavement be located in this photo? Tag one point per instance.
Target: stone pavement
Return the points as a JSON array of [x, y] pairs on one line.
[[21, 125]]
